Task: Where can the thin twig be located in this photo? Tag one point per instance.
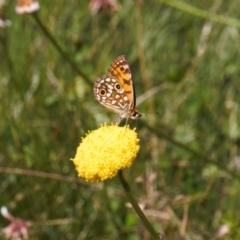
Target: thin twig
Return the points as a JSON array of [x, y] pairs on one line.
[[59, 48], [190, 150], [201, 13], [32, 173]]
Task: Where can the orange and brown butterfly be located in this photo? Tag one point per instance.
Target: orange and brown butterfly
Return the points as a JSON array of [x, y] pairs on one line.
[[115, 90], [27, 6]]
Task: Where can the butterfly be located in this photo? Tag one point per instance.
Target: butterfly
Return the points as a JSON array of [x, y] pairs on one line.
[[27, 6], [115, 90]]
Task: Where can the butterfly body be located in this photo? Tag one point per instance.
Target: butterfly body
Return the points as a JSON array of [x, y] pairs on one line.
[[115, 90]]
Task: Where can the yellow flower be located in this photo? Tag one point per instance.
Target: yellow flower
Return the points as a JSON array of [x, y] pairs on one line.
[[103, 152]]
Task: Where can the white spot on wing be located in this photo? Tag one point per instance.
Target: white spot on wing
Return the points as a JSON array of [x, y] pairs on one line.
[[110, 87]]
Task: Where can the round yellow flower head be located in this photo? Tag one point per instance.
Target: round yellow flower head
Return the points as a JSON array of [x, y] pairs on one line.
[[103, 152]]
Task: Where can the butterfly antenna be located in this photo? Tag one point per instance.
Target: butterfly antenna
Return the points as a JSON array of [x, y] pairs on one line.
[[143, 113]]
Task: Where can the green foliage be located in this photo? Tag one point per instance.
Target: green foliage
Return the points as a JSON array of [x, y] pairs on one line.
[[186, 175]]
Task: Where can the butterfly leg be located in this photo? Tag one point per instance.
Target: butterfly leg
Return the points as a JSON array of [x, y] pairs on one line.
[[116, 120]]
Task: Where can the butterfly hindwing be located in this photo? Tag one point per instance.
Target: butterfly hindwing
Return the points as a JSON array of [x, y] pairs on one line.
[[109, 92]]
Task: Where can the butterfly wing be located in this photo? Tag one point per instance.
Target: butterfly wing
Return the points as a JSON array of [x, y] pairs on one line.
[[116, 91], [120, 69], [110, 93]]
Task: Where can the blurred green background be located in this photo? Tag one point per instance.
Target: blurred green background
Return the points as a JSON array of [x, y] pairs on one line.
[[186, 68]]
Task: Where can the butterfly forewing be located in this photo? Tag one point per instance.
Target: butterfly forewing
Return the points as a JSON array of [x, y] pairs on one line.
[[121, 70]]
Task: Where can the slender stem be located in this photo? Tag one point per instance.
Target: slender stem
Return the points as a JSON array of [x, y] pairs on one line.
[[195, 153], [137, 208], [202, 13], [39, 174], [59, 48]]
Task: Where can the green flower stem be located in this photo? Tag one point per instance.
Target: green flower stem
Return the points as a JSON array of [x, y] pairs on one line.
[[60, 50], [137, 208]]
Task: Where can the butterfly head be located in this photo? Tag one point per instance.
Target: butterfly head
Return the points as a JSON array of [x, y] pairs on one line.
[[135, 114], [131, 113]]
